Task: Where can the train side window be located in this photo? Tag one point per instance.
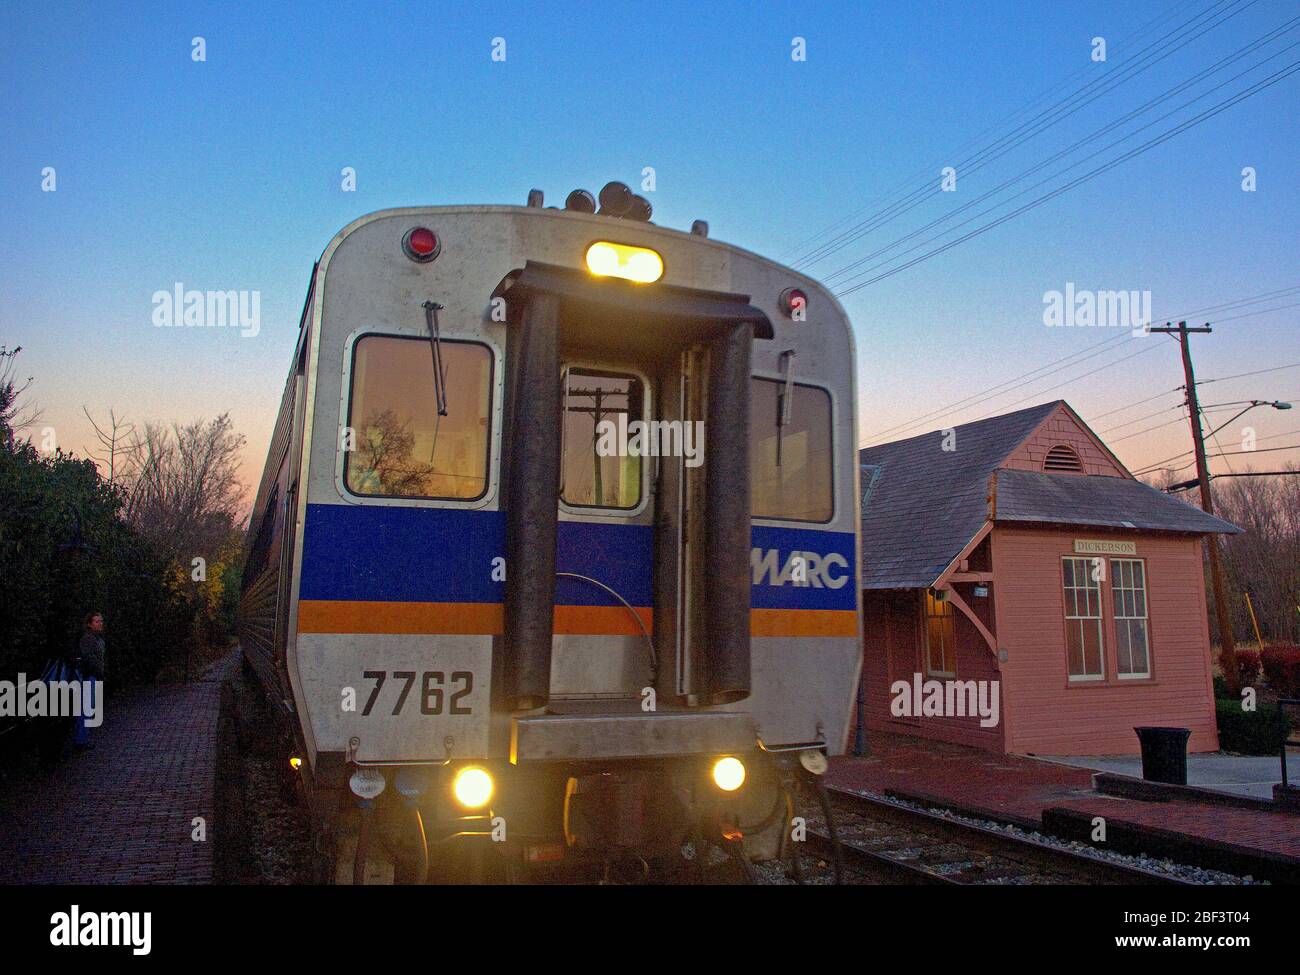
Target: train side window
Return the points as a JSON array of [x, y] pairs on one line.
[[601, 470], [790, 462], [402, 446]]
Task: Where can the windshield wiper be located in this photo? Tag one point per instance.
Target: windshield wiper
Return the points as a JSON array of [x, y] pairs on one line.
[[431, 309], [784, 399]]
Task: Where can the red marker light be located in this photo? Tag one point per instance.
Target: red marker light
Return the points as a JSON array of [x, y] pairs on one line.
[[794, 304], [421, 244]]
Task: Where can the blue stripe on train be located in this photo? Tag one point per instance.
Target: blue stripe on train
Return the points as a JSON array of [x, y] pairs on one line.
[[408, 554]]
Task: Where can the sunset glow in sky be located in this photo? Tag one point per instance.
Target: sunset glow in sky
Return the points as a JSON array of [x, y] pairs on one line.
[[225, 174]]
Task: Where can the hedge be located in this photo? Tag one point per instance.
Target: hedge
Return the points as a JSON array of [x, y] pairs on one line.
[[1282, 668], [65, 551], [1258, 732]]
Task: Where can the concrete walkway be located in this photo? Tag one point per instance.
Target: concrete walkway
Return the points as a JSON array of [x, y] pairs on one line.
[[1242, 775], [123, 812]]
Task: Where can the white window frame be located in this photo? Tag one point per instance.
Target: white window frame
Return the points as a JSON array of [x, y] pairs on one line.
[[1116, 589], [1081, 621]]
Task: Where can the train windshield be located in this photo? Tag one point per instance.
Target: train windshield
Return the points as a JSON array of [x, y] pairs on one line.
[[401, 445], [790, 477]]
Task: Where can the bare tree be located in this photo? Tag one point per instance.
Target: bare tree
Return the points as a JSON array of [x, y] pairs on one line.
[[1164, 479], [1265, 559], [182, 488], [119, 447], [385, 457], [16, 413]]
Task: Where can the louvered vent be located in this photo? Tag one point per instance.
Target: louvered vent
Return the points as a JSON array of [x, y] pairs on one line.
[[1062, 458]]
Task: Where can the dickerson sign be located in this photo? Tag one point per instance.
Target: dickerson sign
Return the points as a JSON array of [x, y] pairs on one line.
[[1089, 546]]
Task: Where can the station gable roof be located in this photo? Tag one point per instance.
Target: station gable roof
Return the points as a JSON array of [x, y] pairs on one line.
[[923, 503]]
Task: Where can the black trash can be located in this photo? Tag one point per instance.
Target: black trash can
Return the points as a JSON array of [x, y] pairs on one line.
[[1164, 754]]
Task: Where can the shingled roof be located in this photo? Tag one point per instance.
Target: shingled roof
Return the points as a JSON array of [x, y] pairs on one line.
[[926, 503], [923, 504], [1113, 502]]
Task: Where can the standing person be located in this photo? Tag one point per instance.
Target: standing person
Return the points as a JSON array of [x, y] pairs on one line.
[[92, 661]]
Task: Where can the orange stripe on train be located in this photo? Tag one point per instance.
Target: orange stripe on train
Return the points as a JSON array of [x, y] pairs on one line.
[[487, 619]]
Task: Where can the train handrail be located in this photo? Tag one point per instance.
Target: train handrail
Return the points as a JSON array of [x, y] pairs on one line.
[[650, 646]]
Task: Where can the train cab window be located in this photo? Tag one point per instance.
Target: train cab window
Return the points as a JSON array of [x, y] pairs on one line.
[[790, 452], [602, 464], [402, 446]]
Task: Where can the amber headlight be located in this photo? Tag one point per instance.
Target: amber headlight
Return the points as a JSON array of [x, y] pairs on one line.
[[472, 787], [729, 773], [610, 260]]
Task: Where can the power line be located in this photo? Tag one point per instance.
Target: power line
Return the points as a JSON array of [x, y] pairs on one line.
[[1105, 167], [1258, 450], [926, 173], [992, 392], [1112, 126], [1156, 427], [975, 162], [1085, 375], [1187, 486], [1148, 416], [1159, 465], [1040, 123], [1257, 372], [1121, 409], [1241, 302], [1257, 311]]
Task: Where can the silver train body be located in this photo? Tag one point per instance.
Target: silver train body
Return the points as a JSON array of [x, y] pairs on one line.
[[462, 558]]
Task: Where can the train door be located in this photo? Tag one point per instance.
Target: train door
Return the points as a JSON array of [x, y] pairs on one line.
[[604, 539], [614, 394]]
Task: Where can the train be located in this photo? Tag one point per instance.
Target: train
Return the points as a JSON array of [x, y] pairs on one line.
[[554, 559]]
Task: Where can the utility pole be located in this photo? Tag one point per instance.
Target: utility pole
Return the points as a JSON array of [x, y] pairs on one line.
[[1227, 647], [597, 412]]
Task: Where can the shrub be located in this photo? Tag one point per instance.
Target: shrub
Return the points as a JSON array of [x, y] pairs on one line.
[[1258, 732], [1282, 667], [1248, 666], [64, 551]]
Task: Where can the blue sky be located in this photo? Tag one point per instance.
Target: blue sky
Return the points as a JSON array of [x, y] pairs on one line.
[[225, 174]]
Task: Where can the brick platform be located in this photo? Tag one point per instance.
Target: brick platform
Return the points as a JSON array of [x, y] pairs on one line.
[[122, 812], [1018, 790]]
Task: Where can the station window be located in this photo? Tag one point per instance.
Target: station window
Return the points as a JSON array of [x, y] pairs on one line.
[[940, 636], [1083, 618], [402, 445], [790, 452], [602, 467], [1129, 591]]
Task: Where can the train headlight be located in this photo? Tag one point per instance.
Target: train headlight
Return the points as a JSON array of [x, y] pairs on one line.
[[729, 773], [472, 787], [610, 260]]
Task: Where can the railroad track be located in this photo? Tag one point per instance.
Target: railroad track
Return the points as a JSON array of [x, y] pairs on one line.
[[887, 842]]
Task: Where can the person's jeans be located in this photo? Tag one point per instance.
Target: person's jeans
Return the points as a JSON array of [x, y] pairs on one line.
[[80, 730]]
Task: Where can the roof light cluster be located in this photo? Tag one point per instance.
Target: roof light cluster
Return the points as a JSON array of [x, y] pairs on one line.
[[616, 200]]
